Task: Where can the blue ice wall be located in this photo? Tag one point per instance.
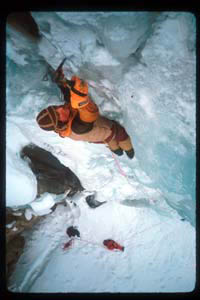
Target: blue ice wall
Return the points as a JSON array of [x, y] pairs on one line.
[[141, 70]]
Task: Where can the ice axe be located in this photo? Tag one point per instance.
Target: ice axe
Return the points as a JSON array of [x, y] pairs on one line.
[[54, 74], [57, 75]]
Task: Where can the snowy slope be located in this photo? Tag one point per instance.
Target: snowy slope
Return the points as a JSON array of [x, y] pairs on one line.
[[150, 205], [155, 257]]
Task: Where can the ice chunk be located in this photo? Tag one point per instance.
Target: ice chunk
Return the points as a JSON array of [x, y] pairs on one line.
[[28, 214], [43, 205], [123, 35]]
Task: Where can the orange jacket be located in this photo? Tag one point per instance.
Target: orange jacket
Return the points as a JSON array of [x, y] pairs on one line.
[[81, 103], [89, 113], [78, 91]]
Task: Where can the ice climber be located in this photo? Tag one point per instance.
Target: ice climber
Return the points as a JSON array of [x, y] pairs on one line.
[[79, 119]]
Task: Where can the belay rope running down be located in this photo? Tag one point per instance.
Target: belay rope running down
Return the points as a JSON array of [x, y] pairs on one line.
[[118, 165], [73, 232], [109, 243], [70, 243]]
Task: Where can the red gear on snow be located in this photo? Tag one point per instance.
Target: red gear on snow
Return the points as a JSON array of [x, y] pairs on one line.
[[111, 245], [68, 244]]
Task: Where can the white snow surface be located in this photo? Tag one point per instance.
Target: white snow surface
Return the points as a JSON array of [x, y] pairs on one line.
[[150, 200], [21, 184]]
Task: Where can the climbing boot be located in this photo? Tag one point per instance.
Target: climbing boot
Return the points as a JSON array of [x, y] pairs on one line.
[[118, 151], [130, 153], [126, 144], [114, 147]]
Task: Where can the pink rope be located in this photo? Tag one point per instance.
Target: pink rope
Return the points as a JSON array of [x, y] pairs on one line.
[[128, 244], [70, 243], [89, 242], [124, 174], [146, 229], [118, 165]]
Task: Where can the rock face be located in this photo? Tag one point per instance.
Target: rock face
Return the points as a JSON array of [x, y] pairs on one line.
[[51, 175], [14, 249], [24, 23], [16, 224]]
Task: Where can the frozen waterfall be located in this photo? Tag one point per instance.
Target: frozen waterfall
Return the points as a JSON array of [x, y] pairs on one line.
[[140, 67]]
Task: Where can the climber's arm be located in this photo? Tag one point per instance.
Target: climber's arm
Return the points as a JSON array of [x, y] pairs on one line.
[[88, 110], [76, 92]]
